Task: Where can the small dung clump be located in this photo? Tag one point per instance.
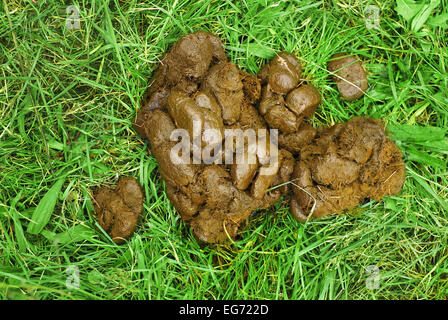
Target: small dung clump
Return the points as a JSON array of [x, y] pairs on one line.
[[118, 210], [344, 165], [349, 75]]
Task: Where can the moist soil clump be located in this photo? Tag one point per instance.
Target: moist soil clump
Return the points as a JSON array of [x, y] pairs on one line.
[[118, 210], [197, 89]]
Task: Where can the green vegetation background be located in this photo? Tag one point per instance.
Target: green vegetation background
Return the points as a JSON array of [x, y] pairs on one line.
[[67, 102]]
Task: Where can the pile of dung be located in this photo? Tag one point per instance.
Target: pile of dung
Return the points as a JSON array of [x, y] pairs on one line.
[[195, 83], [197, 88]]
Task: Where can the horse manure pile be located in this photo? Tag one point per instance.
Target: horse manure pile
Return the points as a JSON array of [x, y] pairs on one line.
[[223, 175]]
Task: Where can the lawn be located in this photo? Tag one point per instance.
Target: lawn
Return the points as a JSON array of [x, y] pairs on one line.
[[69, 96]]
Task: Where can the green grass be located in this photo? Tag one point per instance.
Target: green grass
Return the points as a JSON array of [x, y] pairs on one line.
[[67, 103]]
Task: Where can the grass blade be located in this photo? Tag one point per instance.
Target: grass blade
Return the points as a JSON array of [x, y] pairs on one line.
[[411, 133], [73, 234], [44, 209]]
